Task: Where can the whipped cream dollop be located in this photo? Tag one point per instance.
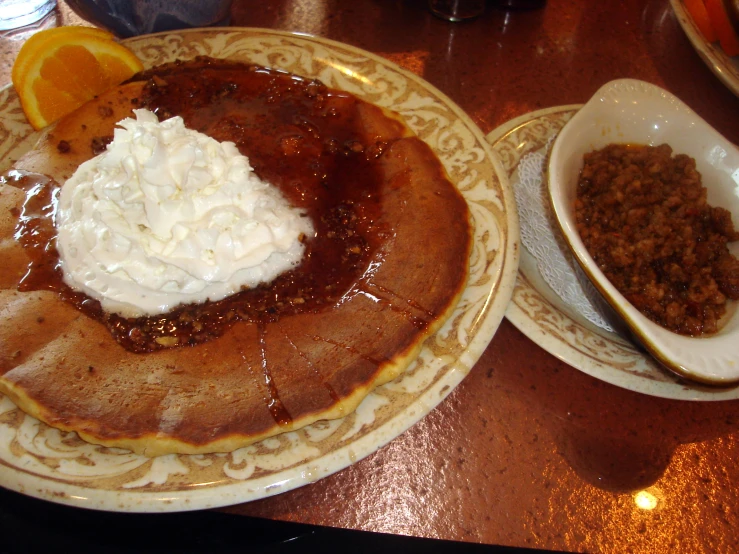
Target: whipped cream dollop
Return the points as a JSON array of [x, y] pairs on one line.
[[168, 216]]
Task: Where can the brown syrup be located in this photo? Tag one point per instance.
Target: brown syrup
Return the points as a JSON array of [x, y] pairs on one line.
[[419, 323], [299, 135], [331, 391], [409, 301], [274, 404], [35, 230], [351, 349]]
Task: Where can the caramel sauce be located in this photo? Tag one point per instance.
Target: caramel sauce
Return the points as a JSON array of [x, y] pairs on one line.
[[304, 138], [314, 370], [35, 230], [272, 399]]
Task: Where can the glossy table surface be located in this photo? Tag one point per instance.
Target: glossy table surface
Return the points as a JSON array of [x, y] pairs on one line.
[[529, 451]]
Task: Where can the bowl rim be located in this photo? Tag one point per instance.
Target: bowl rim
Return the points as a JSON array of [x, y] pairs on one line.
[[658, 341]]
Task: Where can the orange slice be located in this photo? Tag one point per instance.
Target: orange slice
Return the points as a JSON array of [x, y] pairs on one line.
[[38, 42], [58, 70]]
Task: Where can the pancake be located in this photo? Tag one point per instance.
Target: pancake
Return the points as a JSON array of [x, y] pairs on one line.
[[385, 270]]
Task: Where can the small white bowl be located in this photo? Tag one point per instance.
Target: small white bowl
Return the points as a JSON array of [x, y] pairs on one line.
[[631, 111]]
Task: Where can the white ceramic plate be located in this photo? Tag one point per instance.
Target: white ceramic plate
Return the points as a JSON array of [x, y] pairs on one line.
[[38, 460], [539, 313], [635, 112], [724, 67]]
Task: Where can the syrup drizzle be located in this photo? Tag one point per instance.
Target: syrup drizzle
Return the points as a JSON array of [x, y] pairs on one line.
[[412, 303], [350, 349], [314, 370], [419, 323], [34, 228], [274, 404]]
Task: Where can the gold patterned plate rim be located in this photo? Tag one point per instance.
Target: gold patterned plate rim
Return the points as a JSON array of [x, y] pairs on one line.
[[538, 312], [43, 462]]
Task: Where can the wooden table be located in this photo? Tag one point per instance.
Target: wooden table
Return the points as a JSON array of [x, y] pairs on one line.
[[528, 451]]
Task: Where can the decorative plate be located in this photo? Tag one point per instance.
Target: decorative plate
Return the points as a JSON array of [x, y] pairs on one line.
[[538, 312], [43, 462], [724, 67]]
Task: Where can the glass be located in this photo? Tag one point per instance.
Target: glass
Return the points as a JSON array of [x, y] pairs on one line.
[[127, 18], [18, 13], [456, 10], [519, 4]]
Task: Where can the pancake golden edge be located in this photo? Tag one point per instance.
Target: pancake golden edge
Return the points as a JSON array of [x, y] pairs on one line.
[[45, 159], [154, 445]]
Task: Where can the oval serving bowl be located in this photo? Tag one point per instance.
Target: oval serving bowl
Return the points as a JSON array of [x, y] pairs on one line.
[[631, 111]]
